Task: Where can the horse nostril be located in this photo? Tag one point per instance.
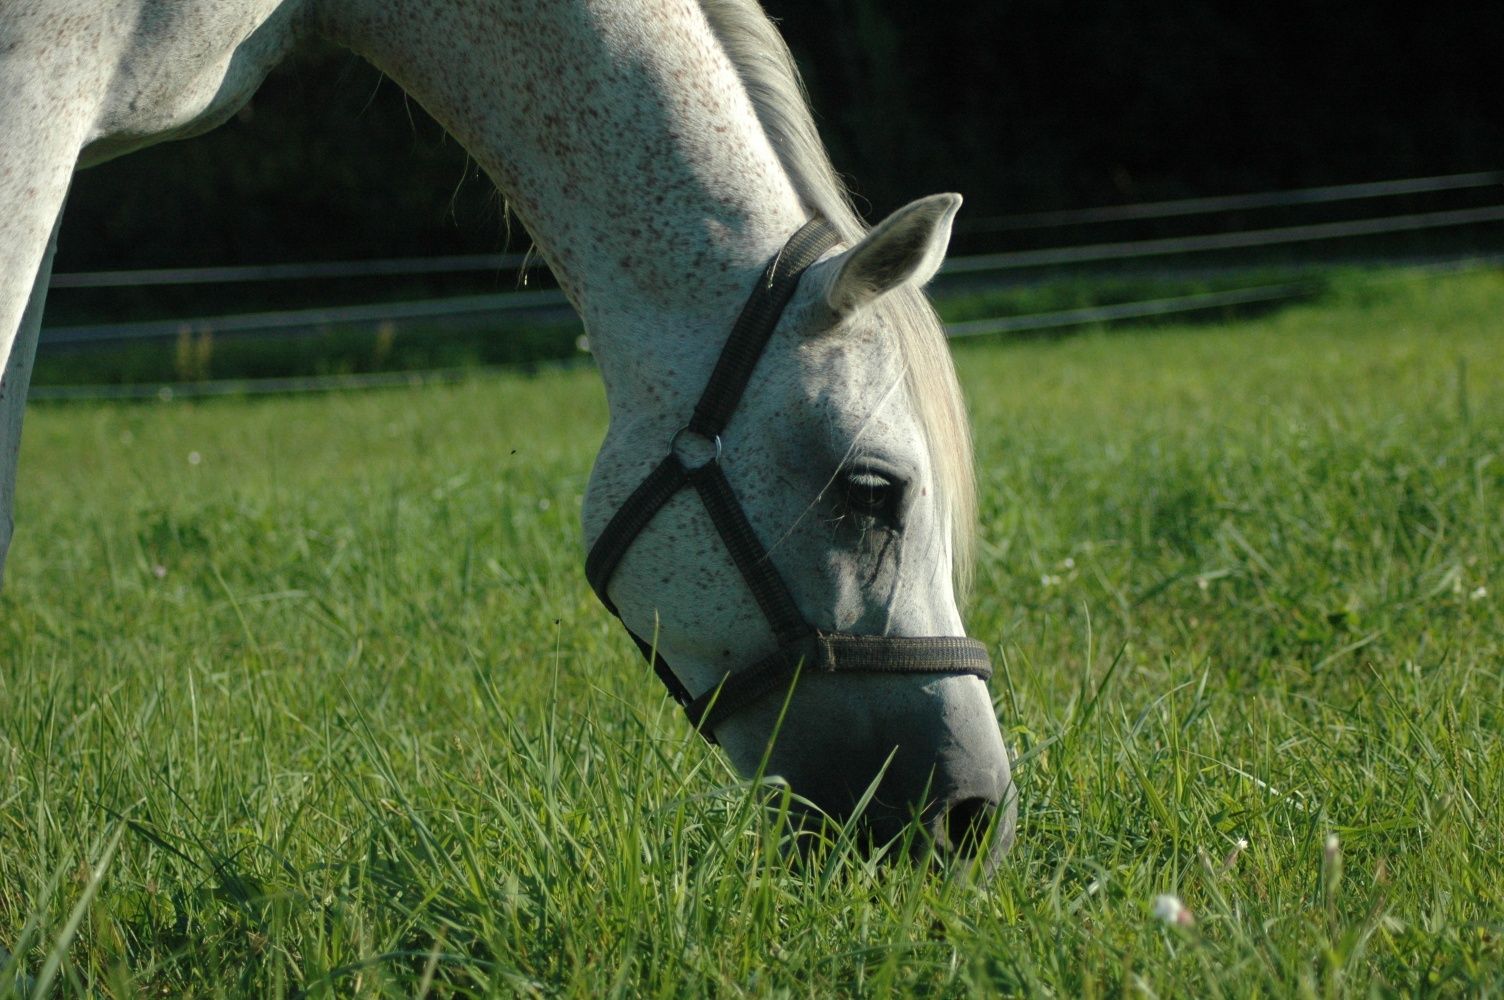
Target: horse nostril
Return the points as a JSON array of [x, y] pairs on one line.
[[963, 824]]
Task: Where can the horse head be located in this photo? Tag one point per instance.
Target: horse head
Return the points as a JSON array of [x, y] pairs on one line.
[[825, 646]]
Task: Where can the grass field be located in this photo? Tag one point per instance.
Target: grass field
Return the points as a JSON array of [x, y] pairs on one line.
[[309, 696]]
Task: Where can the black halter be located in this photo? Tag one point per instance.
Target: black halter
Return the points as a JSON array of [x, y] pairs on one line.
[[693, 459]]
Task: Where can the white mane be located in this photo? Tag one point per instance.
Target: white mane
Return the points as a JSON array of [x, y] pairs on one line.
[[772, 80]]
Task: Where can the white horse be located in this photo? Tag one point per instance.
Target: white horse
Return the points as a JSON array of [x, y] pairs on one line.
[[660, 153]]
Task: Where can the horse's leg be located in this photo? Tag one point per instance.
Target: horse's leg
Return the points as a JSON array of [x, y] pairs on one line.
[[13, 383], [48, 101]]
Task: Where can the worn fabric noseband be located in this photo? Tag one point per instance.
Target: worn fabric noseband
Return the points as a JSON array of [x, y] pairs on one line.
[[694, 459]]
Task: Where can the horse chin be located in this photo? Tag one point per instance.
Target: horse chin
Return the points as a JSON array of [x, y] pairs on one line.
[[811, 836], [908, 766], [893, 839]]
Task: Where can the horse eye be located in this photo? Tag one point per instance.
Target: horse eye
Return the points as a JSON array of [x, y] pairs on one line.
[[868, 493]]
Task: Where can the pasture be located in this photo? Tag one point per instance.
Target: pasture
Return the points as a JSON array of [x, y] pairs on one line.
[[309, 696]]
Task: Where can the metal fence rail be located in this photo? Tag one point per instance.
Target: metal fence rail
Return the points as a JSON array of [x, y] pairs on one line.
[[1183, 304], [306, 320], [1143, 211], [393, 267], [1172, 306], [314, 320], [1140, 309], [1280, 236], [252, 386], [497, 262], [471, 307]]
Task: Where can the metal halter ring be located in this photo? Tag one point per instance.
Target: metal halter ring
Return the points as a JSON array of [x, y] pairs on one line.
[[683, 436]]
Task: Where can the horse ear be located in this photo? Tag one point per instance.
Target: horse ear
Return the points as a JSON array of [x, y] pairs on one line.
[[906, 248]]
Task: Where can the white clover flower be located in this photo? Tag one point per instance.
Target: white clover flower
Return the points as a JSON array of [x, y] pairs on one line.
[[1238, 847], [1168, 909], [1480, 593]]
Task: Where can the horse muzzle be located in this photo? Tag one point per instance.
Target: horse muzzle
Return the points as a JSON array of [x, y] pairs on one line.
[[896, 758]]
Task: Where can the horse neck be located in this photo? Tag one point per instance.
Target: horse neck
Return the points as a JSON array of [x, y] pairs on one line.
[[622, 138]]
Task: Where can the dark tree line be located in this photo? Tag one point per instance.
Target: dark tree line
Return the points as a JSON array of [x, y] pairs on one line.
[[1020, 104], [1030, 103]]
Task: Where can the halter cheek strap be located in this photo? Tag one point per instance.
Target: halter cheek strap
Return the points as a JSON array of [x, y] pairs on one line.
[[694, 459]]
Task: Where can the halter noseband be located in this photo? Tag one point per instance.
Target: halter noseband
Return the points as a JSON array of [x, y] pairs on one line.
[[693, 459]]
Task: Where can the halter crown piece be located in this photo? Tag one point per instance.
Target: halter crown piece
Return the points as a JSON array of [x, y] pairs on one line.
[[694, 459]]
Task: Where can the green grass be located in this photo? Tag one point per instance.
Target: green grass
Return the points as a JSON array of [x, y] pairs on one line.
[[332, 712]]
